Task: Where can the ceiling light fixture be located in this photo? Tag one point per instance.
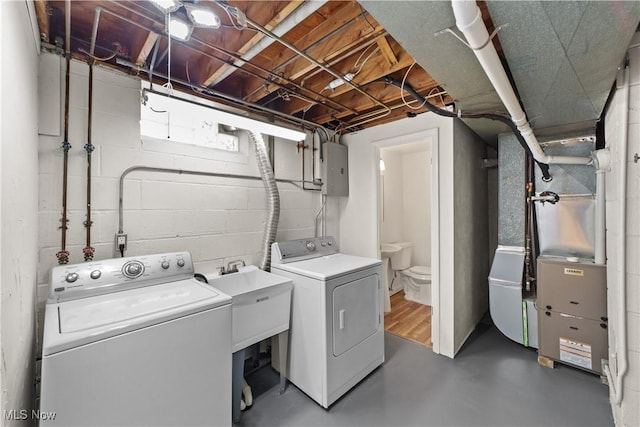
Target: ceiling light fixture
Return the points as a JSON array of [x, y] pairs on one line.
[[179, 29], [202, 16], [167, 6], [339, 82]]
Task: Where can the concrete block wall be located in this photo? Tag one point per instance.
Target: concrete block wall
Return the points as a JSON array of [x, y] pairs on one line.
[[18, 210], [216, 219], [628, 413]]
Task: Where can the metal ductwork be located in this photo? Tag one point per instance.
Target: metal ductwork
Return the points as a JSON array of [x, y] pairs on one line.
[[273, 198]]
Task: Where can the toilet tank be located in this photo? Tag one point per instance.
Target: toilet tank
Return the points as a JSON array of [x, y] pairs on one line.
[[402, 260]]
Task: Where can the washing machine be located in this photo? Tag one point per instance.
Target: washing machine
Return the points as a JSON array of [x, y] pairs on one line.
[[135, 342], [337, 323]]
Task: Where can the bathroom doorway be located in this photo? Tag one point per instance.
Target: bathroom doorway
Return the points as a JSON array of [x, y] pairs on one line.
[[405, 228]]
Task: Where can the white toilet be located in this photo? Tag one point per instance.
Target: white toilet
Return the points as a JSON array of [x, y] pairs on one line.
[[416, 280]]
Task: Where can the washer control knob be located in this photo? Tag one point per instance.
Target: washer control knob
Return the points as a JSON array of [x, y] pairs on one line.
[[323, 243], [180, 262], [133, 269], [311, 246], [165, 265], [71, 277], [329, 242], [95, 274]]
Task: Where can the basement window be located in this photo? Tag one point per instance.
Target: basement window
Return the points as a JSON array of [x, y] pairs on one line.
[[172, 119]]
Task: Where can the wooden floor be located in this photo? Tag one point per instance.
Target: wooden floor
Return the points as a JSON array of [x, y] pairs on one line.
[[409, 320]]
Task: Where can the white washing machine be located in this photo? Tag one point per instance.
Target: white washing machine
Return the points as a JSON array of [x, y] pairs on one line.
[[136, 342], [337, 323]]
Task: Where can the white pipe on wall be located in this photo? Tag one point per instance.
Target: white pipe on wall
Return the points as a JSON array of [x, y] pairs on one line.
[[602, 162], [620, 353], [469, 21]]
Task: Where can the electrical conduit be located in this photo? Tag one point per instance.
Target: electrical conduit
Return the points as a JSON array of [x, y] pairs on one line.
[[469, 21], [301, 13], [273, 198]]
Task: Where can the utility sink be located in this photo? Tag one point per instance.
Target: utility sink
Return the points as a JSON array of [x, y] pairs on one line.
[[387, 250], [261, 304]]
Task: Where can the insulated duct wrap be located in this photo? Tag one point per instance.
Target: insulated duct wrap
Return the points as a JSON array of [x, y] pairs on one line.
[[273, 198]]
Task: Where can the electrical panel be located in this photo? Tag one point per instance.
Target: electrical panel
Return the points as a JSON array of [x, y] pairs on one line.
[[572, 313], [335, 170]]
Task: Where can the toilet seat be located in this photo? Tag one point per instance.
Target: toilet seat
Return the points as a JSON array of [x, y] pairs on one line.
[[419, 272]]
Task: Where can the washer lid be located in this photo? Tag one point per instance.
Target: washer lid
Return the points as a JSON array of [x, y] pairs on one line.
[[79, 322], [328, 267]]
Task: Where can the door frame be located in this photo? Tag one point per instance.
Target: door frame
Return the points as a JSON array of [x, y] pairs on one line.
[[430, 135]]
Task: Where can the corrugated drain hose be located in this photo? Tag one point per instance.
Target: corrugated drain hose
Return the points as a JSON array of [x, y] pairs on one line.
[[544, 168], [273, 198]]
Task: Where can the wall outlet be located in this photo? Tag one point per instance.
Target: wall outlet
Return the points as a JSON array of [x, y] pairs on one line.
[[121, 240]]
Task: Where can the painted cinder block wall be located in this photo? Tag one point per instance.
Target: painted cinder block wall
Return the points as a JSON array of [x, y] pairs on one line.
[[628, 413], [216, 219], [18, 175]]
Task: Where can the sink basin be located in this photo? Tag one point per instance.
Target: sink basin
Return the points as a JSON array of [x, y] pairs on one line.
[[260, 307], [387, 250]]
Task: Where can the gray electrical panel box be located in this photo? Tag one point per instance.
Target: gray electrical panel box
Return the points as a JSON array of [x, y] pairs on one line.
[[335, 170]]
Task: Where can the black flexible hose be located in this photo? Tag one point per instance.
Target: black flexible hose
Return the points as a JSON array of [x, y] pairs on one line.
[[544, 168]]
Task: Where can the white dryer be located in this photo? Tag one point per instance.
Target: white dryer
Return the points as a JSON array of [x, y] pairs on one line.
[[337, 329], [136, 342]]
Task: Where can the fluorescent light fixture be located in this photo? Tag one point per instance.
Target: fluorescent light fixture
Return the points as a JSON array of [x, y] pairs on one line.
[[202, 16], [339, 82], [240, 122], [382, 166], [262, 127], [179, 29], [167, 6]]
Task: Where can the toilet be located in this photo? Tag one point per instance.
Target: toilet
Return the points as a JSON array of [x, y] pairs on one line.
[[416, 280]]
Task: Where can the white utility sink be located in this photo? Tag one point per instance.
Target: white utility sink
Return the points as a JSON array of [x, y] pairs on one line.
[[387, 250], [261, 304]]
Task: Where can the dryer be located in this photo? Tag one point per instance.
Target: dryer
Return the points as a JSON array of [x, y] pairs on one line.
[[337, 322], [135, 342]]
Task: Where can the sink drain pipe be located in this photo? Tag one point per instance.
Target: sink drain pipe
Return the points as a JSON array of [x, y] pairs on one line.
[[273, 198]]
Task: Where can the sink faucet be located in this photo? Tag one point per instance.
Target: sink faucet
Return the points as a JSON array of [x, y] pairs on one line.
[[232, 266]]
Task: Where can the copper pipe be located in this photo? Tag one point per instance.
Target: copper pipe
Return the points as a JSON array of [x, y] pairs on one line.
[[88, 250], [63, 254]]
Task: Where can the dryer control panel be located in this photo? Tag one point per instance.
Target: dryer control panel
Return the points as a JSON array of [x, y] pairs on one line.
[[301, 249], [74, 281]]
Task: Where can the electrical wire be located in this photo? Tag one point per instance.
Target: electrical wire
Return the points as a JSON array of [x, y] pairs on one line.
[[106, 58], [193, 88], [544, 168], [365, 61], [235, 15], [404, 79]]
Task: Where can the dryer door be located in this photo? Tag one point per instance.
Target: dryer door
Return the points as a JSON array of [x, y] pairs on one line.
[[356, 313]]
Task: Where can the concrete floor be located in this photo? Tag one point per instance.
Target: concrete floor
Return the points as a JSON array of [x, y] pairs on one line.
[[492, 382]]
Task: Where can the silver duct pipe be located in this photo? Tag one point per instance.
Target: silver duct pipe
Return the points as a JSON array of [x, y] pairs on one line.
[[273, 199]]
